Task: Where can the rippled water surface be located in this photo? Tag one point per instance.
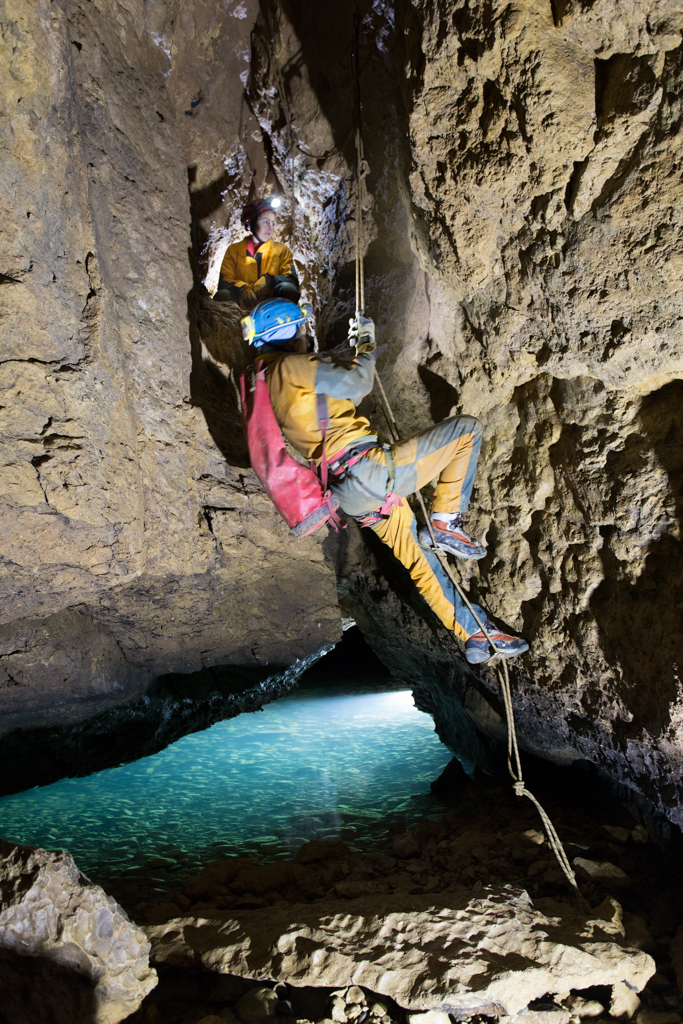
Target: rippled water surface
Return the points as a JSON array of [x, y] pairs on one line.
[[327, 761]]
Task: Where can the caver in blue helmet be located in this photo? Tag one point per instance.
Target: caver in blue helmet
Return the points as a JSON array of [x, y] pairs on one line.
[[274, 322]]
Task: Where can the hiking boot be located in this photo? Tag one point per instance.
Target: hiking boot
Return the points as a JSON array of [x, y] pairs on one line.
[[452, 538], [478, 649]]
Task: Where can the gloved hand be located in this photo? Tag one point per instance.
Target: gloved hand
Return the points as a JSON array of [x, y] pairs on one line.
[[248, 298], [362, 333], [263, 288]]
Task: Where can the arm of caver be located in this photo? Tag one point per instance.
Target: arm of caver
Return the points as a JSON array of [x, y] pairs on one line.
[[347, 380], [261, 286], [229, 268]]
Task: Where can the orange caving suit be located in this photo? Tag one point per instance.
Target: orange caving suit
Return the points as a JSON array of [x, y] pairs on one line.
[[252, 273], [448, 450]]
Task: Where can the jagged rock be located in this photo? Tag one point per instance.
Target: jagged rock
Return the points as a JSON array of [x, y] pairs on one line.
[[68, 952], [624, 1002], [429, 1017], [132, 527], [553, 1016], [600, 869], [581, 1007], [494, 953]]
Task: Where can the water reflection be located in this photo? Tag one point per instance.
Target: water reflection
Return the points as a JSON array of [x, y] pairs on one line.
[[322, 762]]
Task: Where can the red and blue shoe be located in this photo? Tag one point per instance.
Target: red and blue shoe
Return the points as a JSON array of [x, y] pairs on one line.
[[478, 649], [451, 537]]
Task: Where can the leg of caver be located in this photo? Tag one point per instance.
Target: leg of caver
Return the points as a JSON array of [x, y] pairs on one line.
[[448, 451], [286, 290], [399, 533]]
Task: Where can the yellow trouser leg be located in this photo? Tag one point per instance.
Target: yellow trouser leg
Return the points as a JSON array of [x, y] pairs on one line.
[[456, 454], [448, 451], [395, 532]]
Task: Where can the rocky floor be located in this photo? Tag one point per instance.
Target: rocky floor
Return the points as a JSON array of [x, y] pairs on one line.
[[488, 837]]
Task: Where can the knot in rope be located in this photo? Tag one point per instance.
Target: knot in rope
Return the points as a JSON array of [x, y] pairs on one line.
[[519, 788]]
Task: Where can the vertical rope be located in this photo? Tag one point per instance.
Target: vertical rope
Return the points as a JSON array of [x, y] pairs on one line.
[[355, 60], [513, 757]]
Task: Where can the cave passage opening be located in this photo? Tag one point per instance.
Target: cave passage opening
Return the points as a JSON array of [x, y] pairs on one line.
[[343, 756]]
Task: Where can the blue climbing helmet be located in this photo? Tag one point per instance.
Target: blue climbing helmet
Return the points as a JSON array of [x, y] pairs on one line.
[[274, 322]]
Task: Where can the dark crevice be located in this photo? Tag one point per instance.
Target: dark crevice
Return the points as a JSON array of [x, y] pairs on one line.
[[573, 183]]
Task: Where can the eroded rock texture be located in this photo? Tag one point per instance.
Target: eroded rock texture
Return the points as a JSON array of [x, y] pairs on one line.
[[544, 174], [68, 952], [130, 545], [492, 954], [523, 255]]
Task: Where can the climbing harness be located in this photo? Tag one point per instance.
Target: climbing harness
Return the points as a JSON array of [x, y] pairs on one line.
[[513, 757]]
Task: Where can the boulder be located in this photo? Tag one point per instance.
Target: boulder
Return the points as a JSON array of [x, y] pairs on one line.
[[492, 953], [68, 952]]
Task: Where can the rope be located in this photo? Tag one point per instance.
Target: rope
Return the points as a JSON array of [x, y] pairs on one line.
[[513, 758]]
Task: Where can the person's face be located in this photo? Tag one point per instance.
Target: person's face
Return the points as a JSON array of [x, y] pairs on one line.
[[265, 225]]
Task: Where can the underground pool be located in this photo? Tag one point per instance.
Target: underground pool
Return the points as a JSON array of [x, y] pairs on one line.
[[336, 758]]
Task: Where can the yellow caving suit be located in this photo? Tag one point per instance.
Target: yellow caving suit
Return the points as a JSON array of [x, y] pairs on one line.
[[448, 450], [251, 279]]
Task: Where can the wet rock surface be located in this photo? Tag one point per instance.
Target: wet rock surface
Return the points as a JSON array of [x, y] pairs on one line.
[[173, 706], [68, 952]]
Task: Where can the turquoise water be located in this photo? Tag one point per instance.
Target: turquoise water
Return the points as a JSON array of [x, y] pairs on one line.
[[325, 762]]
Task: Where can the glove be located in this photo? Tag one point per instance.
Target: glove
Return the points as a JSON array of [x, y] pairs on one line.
[[263, 286], [362, 333], [248, 298]]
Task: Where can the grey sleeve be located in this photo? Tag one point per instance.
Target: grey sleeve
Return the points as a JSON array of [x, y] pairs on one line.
[[347, 380]]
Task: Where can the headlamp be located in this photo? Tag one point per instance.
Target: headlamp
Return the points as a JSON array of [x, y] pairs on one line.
[[248, 328]]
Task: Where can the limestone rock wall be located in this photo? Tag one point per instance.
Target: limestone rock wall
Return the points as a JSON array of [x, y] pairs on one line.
[[130, 546], [542, 180]]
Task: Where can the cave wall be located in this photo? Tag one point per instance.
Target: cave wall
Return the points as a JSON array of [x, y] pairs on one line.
[[523, 253], [130, 547], [542, 195]]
